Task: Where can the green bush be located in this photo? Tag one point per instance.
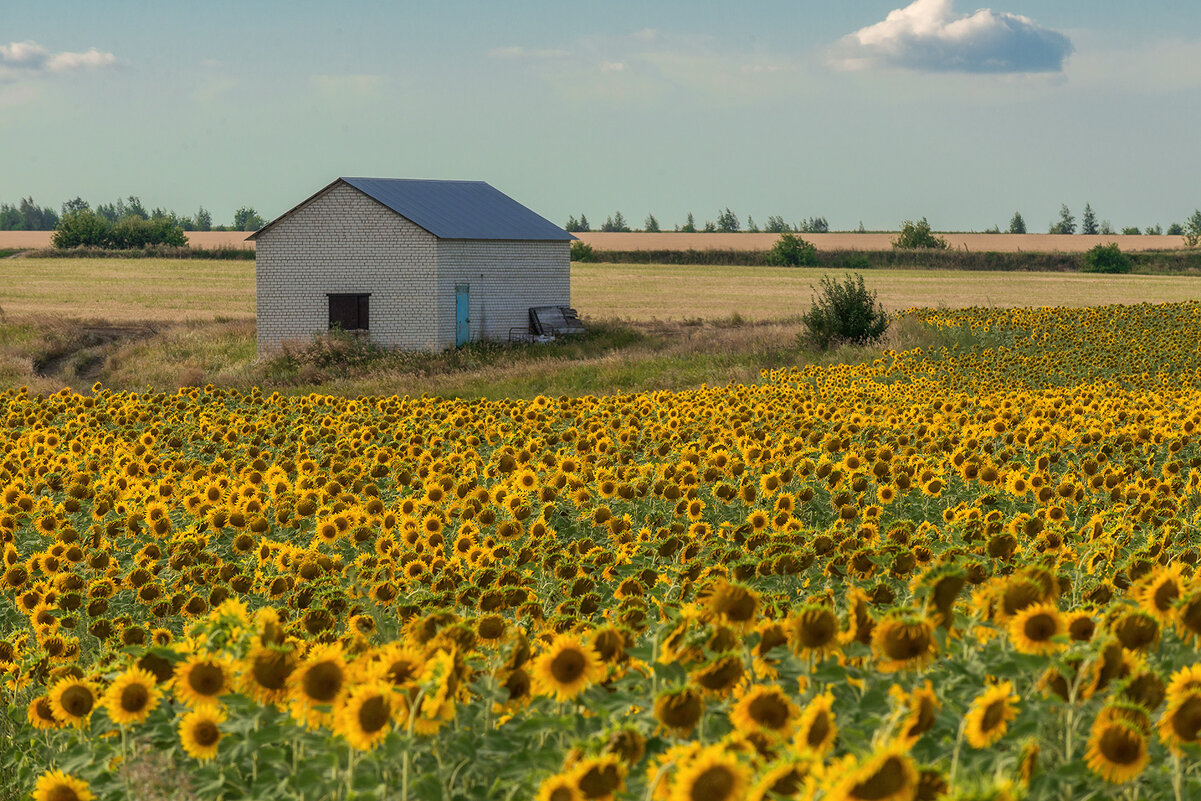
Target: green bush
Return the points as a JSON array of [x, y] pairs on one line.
[[582, 251], [1106, 259], [791, 251], [81, 229], [131, 233], [916, 235], [844, 312]]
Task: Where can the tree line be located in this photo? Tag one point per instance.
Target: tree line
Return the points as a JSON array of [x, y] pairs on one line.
[[29, 216], [727, 222]]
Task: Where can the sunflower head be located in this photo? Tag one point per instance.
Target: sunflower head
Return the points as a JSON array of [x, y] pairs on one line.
[[679, 710], [131, 697]]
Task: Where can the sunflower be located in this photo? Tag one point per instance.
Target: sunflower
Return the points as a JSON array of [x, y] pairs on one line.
[[263, 674], [679, 710], [815, 630], [55, 785], [887, 775], [560, 787], [365, 717], [202, 679], [922, 705], [732, 604], [72, 701], [988, 718], [1180, 723], [600, 777], [131, 697], [200, 732], [1117, 751], [784, 778], [714, 774], [40, 713], [721, 675], [399, 664], [319, 682], [1033, 629], [902, 642], [816, 729], [567, 667], [1159, 591], [766, 711]]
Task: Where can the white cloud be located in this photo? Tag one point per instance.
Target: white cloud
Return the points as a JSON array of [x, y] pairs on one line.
[[928, 36], [30, 60], [612, 66]]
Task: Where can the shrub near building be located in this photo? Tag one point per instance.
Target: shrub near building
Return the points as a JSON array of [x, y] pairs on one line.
[[85, 228]]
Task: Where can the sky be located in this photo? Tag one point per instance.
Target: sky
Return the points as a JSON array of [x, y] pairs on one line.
[[872, 112]]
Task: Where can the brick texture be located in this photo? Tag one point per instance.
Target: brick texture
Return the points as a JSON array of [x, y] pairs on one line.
[[344, 242]]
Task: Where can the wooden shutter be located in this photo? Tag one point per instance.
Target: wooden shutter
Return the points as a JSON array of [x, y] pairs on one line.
[[349, 312]]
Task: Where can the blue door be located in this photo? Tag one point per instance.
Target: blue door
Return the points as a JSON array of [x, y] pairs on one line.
[[462, 321]]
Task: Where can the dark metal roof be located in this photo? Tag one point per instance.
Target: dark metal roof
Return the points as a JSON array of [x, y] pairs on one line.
[[454, 209]]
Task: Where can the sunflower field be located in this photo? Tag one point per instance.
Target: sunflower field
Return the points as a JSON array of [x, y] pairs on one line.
[[967, 572]]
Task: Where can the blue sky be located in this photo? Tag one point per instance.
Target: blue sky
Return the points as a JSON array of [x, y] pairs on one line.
[[866, 111]]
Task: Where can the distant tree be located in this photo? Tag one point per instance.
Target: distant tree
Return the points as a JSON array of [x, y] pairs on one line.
[[615, 223], [582, 251], [996, 229], [247, 219], [709, 228], [1175, 229], [727, 221], [572, 224], [814, 225], [202, 221], [1017, 225], [861, 229], [689, 226], [650, 225], [1106, 228], [584, 226], [76, 204], [10, 218], [1131, 231], [917, 235], [776, 225], [111, 211], [1107, 259], [1153, 230], [1066, 224], [1088, 220], [1192, 230], [134, 208], [750, 225]]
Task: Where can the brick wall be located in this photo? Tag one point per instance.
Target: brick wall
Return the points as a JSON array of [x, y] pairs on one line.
[[344, 242], [504, 279]]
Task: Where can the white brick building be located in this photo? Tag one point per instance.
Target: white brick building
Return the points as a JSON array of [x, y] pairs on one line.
[[421, 265]]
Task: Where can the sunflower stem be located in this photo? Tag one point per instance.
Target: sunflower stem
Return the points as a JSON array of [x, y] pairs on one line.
[[955, 756], [653, 783], [1177, 778], [404, 764], [125, 761]]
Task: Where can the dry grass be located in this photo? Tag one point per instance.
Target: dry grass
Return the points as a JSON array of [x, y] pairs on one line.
[[128, 290], [1002, 243], [177, 290], [645, 292]]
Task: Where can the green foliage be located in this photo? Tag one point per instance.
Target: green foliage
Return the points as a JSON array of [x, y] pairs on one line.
[[1128, 231], [203, 221], [88, 229], [1088, 220], [776, 225], [751, 227], [247, 219], [81, 229], [815, 225], [915, 235], [651, 225], [582, 251], [615, 224], [28, 216], [791, 251], [1017, 225], [1066, 224], [689, 226], [727, 221], [1192, 230], [1175, 229], [1106, 259], [1153, 230], [845, 312]]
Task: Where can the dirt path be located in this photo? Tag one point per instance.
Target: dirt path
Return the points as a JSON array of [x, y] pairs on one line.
[[79, 357]]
